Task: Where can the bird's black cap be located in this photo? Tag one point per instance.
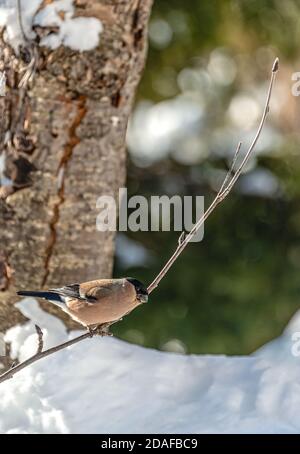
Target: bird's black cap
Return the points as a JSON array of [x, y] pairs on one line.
[[140, 288]]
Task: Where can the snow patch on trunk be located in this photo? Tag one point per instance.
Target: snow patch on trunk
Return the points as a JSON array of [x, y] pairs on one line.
[[78, 33]]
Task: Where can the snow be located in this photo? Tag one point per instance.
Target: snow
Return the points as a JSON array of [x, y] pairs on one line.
[[9, 19], [2, 83], [4, 181], [78, 33], [104, 385]]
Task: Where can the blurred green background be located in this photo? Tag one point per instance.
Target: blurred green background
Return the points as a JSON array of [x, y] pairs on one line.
[[203, 90]]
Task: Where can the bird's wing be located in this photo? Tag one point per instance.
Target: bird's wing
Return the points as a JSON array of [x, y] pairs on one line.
[[91, 294], [98, 292], [70, 291]]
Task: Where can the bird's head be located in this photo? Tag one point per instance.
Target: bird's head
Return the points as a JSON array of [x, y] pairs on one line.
[[141, 290]]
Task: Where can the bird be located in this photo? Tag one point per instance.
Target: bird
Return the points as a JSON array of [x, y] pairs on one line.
[[96, 304]]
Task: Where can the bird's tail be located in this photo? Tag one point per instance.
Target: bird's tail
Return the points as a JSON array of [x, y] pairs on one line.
[[52, 296]]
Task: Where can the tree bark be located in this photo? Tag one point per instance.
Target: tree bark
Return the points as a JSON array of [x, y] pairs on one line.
[[66, 148]]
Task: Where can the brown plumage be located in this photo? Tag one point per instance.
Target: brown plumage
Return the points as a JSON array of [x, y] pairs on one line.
[[99, 302]]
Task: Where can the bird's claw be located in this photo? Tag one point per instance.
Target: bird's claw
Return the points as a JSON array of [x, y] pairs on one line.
[[101, 330]]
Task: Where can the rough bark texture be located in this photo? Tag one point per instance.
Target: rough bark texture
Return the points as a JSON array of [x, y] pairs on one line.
[[66, 148]]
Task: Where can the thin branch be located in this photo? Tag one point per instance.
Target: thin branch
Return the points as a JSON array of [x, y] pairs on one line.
[[225, 188], [227, 185], [231, 170], [40, 339], [20, 20], [30, 69], [181, 238], [43, 354]]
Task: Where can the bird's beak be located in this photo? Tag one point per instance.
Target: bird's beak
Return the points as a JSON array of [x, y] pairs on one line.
[[143, 298]]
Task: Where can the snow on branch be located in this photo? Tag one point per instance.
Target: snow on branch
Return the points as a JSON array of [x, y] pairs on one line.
[[226, 187]]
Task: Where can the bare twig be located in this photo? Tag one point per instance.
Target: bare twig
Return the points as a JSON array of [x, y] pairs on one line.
[[181, 238], [20, 20], [31, 47], [231, 170], [225, 188], [40, 339], [39, 355], [30, 69], [230, 179]]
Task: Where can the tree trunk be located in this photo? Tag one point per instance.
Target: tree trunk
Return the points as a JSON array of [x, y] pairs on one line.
[[64, 141]]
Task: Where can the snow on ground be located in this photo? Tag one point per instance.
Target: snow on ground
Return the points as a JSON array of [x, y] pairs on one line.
[[104, 385], [78, 33]]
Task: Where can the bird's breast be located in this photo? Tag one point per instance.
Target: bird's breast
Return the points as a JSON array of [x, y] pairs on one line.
[[102, 311]]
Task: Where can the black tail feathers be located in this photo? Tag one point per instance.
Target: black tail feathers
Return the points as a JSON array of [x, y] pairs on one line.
[[51, 296]]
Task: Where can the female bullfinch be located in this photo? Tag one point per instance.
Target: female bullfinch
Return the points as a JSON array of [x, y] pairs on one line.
[[96, 303]]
